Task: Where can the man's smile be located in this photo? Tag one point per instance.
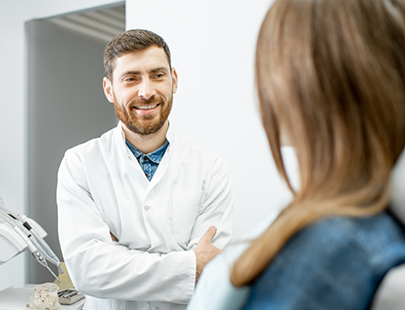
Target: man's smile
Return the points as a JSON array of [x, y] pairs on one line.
[[147, 107], [144, 110]]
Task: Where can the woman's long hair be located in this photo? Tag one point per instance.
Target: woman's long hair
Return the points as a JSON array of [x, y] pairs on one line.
[[330, 75]]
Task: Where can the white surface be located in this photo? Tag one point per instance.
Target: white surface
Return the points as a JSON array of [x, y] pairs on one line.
[[17, 299], [390, 294], [213, 45], [13, 126], [398, 188], [10, 243]]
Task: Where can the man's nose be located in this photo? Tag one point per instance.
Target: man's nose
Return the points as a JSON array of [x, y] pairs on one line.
[[146, 89]]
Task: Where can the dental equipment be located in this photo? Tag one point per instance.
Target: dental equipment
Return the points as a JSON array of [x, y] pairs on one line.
[[17, 233]]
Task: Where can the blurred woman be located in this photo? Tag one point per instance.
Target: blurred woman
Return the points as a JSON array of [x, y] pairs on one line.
[[330, 77]]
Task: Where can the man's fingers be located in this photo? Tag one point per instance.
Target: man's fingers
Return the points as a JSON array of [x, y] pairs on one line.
[[209, 234], [205, 250], [113, 237]]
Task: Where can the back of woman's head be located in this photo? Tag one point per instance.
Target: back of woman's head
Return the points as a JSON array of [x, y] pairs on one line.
[[330, 76]]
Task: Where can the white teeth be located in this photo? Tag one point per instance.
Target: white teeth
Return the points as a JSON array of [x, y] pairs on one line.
[[147, 107]]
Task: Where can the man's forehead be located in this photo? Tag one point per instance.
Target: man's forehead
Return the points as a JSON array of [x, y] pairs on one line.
[[145, 60], [151, 56]]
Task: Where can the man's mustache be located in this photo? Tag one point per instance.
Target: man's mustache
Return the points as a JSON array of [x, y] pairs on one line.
[[142, 101]]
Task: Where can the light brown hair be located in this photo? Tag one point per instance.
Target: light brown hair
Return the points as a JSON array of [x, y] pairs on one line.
[[330, 75], [131, 41]]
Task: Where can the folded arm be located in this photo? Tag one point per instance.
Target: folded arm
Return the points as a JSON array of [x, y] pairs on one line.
[[102, 268]]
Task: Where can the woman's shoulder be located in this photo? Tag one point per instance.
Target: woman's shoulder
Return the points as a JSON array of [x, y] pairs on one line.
[[369, 235], [337, 261], [378, 239]]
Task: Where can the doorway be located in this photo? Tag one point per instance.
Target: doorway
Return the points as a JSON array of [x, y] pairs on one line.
[[66, 104]]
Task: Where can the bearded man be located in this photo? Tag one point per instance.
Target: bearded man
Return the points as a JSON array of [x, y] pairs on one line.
[[141, 210]]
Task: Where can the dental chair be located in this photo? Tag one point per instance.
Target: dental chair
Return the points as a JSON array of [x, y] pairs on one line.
[[391, 292]]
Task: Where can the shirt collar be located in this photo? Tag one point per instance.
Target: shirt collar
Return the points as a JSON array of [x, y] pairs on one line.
[[155, 156], [170, 137]]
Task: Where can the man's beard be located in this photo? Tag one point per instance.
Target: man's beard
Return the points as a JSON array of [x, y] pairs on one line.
[[144, 124]]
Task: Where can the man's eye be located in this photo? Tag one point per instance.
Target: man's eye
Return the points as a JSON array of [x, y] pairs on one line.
[[159, 76], [131, 79]]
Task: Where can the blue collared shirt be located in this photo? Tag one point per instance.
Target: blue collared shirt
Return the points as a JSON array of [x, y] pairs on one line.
[[149, 162]]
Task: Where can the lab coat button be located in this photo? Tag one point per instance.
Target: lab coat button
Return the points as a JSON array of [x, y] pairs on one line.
[[146, 208]]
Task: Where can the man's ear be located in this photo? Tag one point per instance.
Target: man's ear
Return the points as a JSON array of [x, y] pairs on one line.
[[175, 80], [108, 91]]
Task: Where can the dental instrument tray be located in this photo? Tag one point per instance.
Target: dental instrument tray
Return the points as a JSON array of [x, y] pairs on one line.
[[69, 296]]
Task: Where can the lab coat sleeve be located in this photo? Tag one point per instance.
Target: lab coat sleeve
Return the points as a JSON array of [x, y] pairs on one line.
[[214, 290], [217, 207], [101, 268]]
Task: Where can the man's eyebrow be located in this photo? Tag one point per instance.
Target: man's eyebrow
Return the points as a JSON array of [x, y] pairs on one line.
[[159, 69], [139, 72], [131, 73]]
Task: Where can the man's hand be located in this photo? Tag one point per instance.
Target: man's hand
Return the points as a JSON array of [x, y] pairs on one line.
[[205, 251], [113, 238]]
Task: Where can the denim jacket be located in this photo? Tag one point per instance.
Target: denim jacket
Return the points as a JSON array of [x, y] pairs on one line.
[[334, 264]]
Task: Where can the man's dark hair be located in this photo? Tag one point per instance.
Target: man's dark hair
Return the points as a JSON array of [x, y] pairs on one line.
[[131, 41]]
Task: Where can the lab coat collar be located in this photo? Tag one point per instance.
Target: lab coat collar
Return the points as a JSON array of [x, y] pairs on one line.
[[170, 134], [120, 136]]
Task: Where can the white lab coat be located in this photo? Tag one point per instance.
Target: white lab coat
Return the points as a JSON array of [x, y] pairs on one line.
[[102, 188]]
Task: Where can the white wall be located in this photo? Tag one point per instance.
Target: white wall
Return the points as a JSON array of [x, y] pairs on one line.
[[213, 44], [13, 125]]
